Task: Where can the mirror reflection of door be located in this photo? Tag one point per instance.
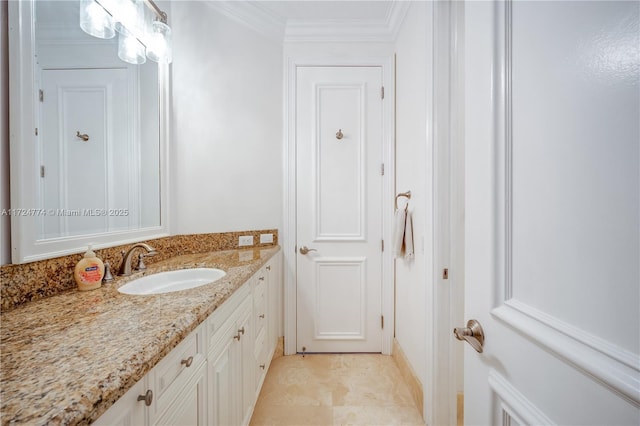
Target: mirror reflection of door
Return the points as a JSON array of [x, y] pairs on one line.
[[87, 186]]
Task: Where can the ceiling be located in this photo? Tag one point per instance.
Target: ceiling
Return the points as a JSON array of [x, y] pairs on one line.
[[327, 9], [292, 19]]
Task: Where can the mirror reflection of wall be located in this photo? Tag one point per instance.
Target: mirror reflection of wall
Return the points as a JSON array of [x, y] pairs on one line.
[[98, 131]]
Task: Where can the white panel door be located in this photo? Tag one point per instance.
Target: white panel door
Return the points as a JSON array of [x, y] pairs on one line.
[[102, 169], [552, 212], [339, 187]]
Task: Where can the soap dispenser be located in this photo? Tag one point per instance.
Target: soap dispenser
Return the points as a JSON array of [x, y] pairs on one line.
[[89, 271]]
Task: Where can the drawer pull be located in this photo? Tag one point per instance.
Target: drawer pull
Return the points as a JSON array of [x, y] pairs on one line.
[[261, 278], [268, 268], [261, 316], [237, 336], [241, 330], [147, 398], [262, 366], [187, 361]]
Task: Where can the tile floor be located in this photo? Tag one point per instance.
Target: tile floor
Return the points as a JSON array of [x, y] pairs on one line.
[[344, 389]]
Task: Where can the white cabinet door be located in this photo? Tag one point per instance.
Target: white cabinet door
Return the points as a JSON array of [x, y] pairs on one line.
[[552, 212], [246, 364], [222, 381], [231, 370], [190, 407], [128, 410], [274, 301]]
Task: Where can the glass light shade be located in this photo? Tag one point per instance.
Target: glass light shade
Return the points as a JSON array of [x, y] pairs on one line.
[[130, 49], [128, 16], [95, 21], [158, 41]]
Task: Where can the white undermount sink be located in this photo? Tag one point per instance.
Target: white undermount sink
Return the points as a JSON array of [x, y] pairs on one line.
[[167, 282]]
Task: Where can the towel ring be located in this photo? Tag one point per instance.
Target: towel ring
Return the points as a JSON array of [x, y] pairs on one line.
[[402, 194]]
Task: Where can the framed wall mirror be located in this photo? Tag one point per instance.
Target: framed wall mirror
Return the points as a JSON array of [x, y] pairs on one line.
[[88, 136]]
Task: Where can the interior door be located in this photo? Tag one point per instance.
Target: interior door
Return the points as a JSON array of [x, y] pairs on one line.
[[84, 154], [339, 209], [552, 212]]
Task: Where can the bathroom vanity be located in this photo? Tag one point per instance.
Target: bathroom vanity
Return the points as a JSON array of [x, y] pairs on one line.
[[191, 357]]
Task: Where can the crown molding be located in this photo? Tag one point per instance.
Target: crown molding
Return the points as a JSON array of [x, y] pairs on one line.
[[252, 15], [258, 18], [349, 30], [395, 17]]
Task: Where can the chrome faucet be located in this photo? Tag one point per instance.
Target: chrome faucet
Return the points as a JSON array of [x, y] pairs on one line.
[[125, 266]]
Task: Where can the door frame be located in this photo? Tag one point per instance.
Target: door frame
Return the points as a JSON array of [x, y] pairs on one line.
[[386, 63], [446, 299]]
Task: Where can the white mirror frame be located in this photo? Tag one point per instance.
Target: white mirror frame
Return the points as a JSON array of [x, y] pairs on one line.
[[22, 106]]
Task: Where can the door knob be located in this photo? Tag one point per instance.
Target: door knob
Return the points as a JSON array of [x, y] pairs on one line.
[[305, 250], [472, 333]]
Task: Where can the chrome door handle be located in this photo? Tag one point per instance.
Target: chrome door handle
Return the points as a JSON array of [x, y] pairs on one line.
[[305, 250], [472, 334]]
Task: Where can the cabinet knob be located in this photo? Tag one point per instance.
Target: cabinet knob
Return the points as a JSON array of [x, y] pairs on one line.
[[269, 268], [187, 361], [237, 336], [147, 398], [262, 366], [261, 278], [261, 316], [241, 330]]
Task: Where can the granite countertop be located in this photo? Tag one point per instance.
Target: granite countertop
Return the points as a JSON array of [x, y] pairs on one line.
[[66, 359]]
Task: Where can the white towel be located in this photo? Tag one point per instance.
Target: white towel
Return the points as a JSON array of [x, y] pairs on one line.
[[403, 234], [408, 237], [398, 231]]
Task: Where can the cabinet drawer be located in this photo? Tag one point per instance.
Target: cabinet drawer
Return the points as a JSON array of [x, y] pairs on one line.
[[172, 373], [224, 313]]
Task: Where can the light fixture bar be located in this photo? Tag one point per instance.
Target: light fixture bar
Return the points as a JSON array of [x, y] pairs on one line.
[[162, 15]]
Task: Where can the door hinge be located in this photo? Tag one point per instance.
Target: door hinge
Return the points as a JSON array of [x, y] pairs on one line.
[[382, 92], [445, 273], [382, 245], [41, 95], [381, 321], [41, 171], [382, 169]]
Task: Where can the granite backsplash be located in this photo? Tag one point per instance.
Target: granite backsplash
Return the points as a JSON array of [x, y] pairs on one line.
[[27, 282]]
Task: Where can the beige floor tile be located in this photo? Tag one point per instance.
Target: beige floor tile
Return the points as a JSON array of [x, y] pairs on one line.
[[291, 415], [373, 416], [361, 389]]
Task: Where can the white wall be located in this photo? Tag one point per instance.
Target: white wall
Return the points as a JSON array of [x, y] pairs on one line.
[[413, 172], [226, 137], [5, 228]]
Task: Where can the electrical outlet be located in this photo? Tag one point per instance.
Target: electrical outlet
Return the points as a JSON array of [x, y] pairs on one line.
[[266, 238], [245, 240]]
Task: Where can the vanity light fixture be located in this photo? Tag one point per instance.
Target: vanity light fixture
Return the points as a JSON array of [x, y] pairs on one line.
[[139, 35]]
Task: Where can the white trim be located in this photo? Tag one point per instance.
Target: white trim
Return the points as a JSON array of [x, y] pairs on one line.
[[289, 192], [349, 30], [440, 403], [252, 15], [514, 404], [264, 21], [613, 367]]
